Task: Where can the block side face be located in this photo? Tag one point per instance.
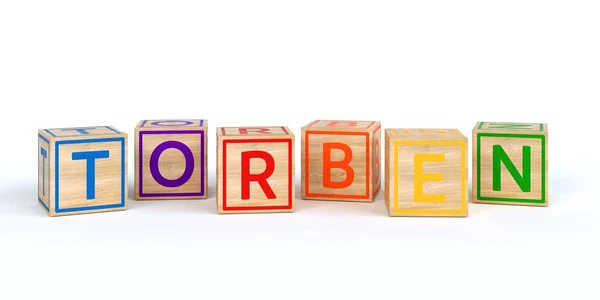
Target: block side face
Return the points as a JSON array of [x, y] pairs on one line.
[[44, 179], [171, 164], [376, 162], [511, 168], [256, 175], [220, 175], [343, 125], [338, 165], [389, 148], [512, 127], [426, 134], [255, 131], [429, 178], [89, 175], [173, 124]]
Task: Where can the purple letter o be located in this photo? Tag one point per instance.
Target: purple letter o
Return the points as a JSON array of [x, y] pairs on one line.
[[189, 164]]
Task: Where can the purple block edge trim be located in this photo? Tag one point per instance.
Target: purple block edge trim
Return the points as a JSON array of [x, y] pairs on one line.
[[202, 162], [146, 121]]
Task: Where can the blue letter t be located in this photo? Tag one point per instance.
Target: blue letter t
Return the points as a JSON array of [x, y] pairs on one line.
[[90, 157]]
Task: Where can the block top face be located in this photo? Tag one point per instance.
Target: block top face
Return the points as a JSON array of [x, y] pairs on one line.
[[79, 132], [418, 134], [170, 124], [254, 131], [511, 127], [342, 125]]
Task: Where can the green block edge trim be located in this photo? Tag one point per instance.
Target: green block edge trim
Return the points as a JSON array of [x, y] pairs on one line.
[[482, 123], [512, 135]]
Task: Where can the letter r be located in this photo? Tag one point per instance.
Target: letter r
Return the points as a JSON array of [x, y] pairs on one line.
[[254, 130], [261, 178]]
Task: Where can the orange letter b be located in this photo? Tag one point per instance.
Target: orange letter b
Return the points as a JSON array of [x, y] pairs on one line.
[[342, 164]]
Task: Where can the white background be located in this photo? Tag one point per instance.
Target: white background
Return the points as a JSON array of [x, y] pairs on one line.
[[406, 63]]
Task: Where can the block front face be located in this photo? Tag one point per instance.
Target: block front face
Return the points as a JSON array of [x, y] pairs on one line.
[[79, 131], [166, 124], [256, 175], [336, 165], [510, 168], [44, 156], [341, 124], [429, 178], [90, 175], [171, 164], [254, 131]]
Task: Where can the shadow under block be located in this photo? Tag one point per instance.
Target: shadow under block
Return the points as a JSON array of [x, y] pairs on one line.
[[341, 160], [255, 170], [82, 170], [426, 172], [171, 160], [510, 163]]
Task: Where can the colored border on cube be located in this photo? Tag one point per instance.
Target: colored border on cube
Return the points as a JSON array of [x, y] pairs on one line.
[[317, 121], [200, 123], [40, 199], [463, 178], [335, 196], [512, 135], [288, 141], [54, 135], [57, 208], [223, 129], [508, 129], [141, 165]]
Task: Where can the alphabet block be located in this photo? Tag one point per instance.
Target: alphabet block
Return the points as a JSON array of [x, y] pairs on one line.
[[255, 169], [510, 163], [426, 172], [341, 160], [82, 170], [171, 159]]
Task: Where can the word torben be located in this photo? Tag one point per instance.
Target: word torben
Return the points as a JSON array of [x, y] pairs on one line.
[[84, 170]]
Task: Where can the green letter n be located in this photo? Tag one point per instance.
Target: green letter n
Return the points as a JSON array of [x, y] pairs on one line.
[[499, 156]]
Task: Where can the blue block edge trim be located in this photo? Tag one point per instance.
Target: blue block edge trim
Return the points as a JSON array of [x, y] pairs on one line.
[[57, 208], [44, 139], [107, 127], [44, 204]]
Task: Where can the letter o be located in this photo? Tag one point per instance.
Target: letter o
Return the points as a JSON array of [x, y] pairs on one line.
[[172, 123], [189, 164]]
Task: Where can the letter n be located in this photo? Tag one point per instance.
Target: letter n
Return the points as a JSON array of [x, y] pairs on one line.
[[500, 157]]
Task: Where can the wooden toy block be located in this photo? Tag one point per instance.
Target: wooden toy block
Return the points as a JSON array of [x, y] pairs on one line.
[[426, 172], [82, 170], [171, 160], [510, 163], [341, 160], [255, 170]]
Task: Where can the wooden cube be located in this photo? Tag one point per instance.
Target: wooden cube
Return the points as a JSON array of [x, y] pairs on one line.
[[426, 172], [341, 160], [510, 163], [82, 170], [255, 169], [171, 159]]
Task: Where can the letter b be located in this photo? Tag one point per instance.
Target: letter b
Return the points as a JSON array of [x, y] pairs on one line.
[[343, 164]]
